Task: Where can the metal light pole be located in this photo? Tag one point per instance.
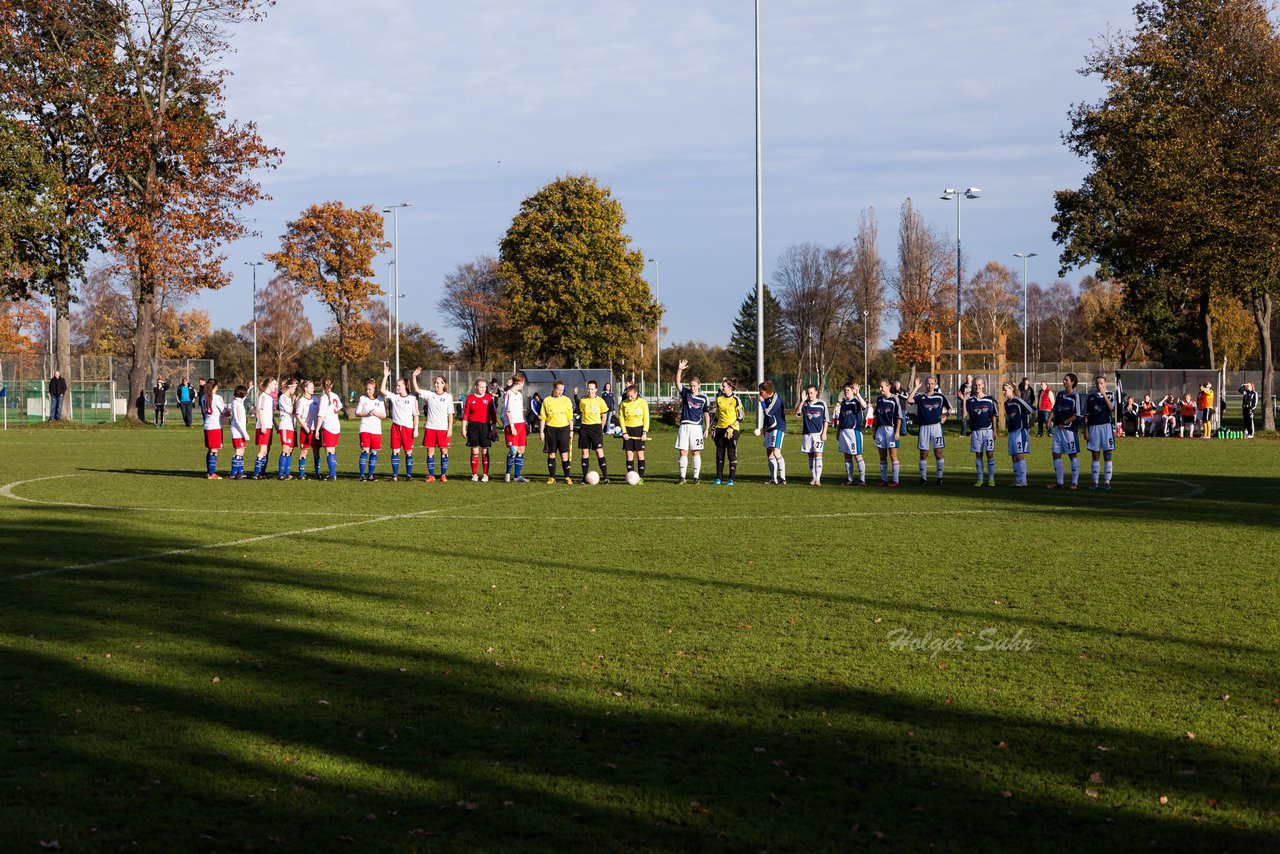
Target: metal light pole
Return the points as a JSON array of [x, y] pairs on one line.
[[866, 377], [759, 221], [394, 210], [947, 195], [657, 295], [391, 265], [1024, 256], [255, 265]]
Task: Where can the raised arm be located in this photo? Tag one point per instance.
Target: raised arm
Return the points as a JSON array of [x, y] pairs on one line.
[[386, 374], [414, 380], [684, 363]]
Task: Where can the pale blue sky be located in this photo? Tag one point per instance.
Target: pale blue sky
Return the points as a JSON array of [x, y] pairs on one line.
[[464, 109]]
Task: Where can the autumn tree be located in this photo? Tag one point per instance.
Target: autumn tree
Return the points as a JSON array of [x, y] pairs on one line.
[[328, 252], [867, 280], [58, 76], [103, 320], [22, 323], [1110, 332], [283, 328], [923, 285], [573, 285], [813, 285], [472, 304], [741, 352], [1182, 197], [992, 298]]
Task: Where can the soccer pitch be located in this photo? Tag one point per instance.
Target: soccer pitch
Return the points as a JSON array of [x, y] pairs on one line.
[[302, 665]]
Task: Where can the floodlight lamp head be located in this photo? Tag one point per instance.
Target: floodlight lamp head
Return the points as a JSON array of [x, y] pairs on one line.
[[972, 193]]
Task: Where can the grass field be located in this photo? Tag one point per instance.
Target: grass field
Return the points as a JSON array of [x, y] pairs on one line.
[[195, 665]]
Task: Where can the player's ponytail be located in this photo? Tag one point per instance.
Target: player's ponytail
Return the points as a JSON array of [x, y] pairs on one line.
[[210, 389]]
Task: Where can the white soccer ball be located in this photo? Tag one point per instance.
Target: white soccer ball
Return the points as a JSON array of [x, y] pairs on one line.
[[633, 477], [592, 478], [757, 431]]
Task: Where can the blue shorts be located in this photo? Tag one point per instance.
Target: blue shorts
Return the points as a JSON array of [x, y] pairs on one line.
[[773, 439]]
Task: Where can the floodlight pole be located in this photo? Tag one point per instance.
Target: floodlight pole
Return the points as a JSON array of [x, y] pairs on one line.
[[1024, 256], [394, 210], [657, 296], [759, 221], [255, 265], [947, 194], [866, 377], [391, 265]]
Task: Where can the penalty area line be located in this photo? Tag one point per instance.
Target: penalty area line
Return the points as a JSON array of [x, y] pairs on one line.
[[228, 544]]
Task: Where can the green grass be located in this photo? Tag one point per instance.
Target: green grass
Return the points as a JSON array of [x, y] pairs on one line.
[[491, 667]]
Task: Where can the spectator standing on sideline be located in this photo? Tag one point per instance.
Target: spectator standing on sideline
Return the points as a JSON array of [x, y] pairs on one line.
[[1043, 408], [535, 412], [160, 399], [611, 402], [185, 395], [1248, 404], [1204, 410], [961, 396], [57, 390], [200, 393]]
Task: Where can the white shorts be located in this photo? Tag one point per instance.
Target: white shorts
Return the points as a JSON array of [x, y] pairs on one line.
[[773, 439], [1065, 441], [689, 437], [850, 442], [811, 443], [1019, 443], [983, 440], [886, 438], [930, 437], [1101, 437]]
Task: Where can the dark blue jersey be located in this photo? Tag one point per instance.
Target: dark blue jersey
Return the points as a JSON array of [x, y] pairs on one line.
[[813, 416], [981, 412], [1017, 414], [888, 412], [930, 407], [692, 406], [1067, 407], [1097, 409], [851, 415], [773, 416]]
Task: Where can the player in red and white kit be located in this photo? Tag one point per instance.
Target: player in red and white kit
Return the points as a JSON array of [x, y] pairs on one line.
[[438, 423], [330, 426], [305, 411], [514, 427], [370, 410], [288, 431], [239, 431], [404, 423], [215, 415], [477, 422], [264, 418]]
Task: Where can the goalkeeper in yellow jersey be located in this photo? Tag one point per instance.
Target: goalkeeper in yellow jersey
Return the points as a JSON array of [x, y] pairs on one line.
[[633, 414], [726, 416]]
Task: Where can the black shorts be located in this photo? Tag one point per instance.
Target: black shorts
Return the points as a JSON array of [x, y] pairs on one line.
[[557, 440], [478, 435], [591, 437], [724, 440], [632, 441]]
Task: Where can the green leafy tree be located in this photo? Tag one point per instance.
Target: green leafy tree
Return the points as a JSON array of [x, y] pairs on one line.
[[574, 290], [1182, 198], [232, 357], [741, 352]]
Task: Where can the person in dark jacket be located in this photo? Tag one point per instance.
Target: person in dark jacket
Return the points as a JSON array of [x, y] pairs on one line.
[[186, 397], [1248, 404], [57, 391], [611, 402], [160, 399]]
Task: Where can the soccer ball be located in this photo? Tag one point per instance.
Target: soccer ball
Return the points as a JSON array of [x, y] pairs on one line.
[[633, 477], [592, 478], [757, 431]]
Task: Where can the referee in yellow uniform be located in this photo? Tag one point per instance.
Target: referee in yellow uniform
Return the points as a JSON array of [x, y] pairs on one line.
[[593, 410], [633, 414], [727, 415], [555, 426]]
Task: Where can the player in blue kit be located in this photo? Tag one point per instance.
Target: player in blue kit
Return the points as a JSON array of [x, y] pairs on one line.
[[981, 412], [1017, 421], [773, 424], [887, 418], [849, 421], [695, 422], [932, 409], [813, 431], [1100, 428], [1068, 412]]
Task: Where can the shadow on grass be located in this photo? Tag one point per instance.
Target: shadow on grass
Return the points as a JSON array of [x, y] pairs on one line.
[[324, 728]]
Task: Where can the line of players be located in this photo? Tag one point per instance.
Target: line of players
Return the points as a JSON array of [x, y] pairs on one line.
[[1071, 411]]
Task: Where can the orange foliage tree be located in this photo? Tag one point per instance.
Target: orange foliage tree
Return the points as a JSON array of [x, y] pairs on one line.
[[328, 251], [283, 329]]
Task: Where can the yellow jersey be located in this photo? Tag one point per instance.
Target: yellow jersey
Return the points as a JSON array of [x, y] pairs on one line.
[[728, 411], [593, 410], [556, 411], [634, 413]]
